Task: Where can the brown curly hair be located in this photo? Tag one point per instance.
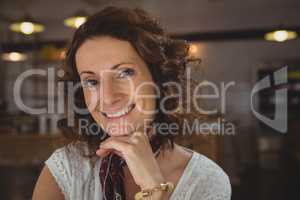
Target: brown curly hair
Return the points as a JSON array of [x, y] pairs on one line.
[[165, 57]]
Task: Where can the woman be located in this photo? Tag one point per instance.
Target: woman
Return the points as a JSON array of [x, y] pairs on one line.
[[122, 58]]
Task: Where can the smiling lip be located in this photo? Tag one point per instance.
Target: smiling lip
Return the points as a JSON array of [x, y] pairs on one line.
[[132, 106]]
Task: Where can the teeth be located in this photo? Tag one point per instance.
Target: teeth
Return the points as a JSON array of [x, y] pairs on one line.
[[120, 113]]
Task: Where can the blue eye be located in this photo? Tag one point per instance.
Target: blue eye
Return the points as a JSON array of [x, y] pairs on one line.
[[126, 72], [90, 83]]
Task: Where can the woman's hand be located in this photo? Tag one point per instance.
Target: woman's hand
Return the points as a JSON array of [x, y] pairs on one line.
[[137, 152]]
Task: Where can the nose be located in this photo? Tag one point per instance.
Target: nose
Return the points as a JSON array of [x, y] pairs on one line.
[[109, 94]]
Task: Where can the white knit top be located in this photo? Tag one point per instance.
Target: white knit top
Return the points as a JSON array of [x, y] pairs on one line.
[[78, 178]]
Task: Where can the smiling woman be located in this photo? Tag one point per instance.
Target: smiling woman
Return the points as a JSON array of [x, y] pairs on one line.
[[114, 79], [122, 58]]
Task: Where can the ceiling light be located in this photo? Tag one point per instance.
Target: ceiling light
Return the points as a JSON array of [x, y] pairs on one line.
[[27, 26], [76, 20], [14, 57], [281, 35]]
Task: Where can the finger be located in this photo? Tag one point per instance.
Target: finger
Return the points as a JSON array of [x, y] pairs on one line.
[[148, 130], [117, 144], [123, 138], [103, 152], [141, 129], [134, 138], [139, 136]]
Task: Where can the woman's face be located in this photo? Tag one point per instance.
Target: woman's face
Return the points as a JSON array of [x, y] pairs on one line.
[[117, 84]]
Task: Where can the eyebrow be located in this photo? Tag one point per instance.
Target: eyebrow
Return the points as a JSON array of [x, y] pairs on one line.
[[112, 68]]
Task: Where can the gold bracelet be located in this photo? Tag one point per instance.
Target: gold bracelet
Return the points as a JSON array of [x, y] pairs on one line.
[[166, 186]]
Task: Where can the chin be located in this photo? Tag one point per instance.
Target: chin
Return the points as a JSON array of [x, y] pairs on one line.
[[117, 129], [118, 132]]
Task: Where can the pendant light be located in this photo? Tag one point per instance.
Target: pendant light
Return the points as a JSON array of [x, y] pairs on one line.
[[281, 35], [27, 26], [13, 56], [76, 20]]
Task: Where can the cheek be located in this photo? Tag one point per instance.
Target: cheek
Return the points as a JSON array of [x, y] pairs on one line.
[[91, 99], [146, 101]]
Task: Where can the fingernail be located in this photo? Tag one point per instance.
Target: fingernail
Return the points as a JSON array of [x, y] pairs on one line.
[[98, 151]]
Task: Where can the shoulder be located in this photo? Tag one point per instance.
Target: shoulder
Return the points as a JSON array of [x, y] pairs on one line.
[[64, 164], [211, 182], [69, 154], [62, 159]]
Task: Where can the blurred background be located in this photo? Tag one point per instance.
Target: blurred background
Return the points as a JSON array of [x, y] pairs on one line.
[[238, 41]]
